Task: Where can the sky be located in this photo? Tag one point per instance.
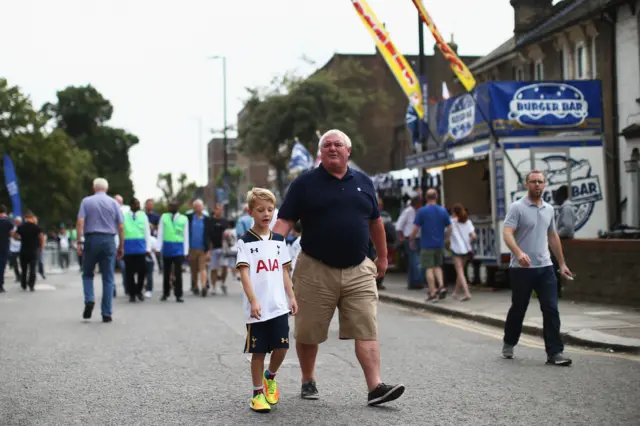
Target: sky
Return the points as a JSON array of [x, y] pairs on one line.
[[151, 58]]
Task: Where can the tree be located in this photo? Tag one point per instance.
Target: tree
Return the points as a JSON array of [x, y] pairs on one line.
[[82, 113], [234, 177], [51, 170], [179, 189], [298, 107]]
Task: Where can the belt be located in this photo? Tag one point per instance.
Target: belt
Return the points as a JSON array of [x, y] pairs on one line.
[[98, 233]]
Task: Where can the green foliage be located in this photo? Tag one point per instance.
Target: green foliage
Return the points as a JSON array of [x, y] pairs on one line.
[[234, 177], [298, 107], [51, 170], [82, 113], [179, 189]]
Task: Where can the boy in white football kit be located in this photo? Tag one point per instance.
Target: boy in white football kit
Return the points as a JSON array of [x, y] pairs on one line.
[[264, 261]]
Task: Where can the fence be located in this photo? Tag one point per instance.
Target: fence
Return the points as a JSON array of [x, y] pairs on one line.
[[51, 260]]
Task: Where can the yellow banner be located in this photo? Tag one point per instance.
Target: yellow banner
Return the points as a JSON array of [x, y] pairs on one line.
[[395, 60], [458, 67]]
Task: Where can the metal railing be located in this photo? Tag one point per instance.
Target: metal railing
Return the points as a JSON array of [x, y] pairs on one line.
[[52, 260]]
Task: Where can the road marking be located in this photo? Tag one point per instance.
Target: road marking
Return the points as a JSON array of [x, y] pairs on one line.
[[46, 287], [528, 341]]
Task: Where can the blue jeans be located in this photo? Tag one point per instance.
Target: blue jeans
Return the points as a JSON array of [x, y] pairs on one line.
[[150, 266], [416, 276], [99, 249], [543, 281]]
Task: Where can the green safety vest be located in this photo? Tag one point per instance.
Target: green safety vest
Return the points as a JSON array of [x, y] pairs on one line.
[[134, 229], [173, 230]]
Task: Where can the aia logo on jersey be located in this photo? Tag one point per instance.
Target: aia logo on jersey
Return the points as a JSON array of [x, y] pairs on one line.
[[269, 266]]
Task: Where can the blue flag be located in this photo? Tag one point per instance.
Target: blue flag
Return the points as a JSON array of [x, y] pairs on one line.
[[301, 159], [418, 128], [11, 181]]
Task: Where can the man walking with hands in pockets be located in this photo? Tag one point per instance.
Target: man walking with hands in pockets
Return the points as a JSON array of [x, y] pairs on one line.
[[529, 231]]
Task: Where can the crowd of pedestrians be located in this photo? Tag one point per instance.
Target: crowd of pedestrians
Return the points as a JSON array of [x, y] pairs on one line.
[[326, 249]]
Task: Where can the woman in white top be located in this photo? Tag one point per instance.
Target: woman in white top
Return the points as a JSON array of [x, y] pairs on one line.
[[462, 236]]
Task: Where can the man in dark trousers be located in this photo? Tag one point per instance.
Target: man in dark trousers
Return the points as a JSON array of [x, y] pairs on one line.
[[32, 239], [6, 231], [173, 238], [137, 245], [216, 263]]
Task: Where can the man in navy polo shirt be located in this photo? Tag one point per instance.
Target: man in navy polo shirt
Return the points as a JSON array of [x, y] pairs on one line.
[[339, 213]]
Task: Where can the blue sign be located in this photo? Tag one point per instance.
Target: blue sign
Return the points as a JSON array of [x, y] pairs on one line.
[[516, 108], [220, 196], [501, 202], [462, 118], [11, 180], [427, 157], [419, 129]]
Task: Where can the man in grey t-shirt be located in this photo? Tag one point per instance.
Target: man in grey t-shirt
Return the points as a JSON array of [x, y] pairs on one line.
[[529, 231]]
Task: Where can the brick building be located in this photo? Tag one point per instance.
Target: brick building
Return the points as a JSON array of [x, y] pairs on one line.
[[571, 40], [256, 171], [384, 130]]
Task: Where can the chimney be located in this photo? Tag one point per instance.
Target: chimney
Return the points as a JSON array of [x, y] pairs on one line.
[[528, 13]]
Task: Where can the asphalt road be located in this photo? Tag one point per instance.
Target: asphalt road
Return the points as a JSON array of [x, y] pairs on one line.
[[168, 363]]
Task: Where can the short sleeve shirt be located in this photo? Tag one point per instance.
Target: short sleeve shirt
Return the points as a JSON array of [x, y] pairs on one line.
[[432, 220], [532, 225], [335, 215], [266, 257]]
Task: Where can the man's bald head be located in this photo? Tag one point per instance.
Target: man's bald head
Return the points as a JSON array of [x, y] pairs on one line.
[[119, 199], [198, 206], [432, 195]]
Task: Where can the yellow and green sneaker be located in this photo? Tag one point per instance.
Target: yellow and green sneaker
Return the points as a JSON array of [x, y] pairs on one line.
[[259, 403], [271, 391]]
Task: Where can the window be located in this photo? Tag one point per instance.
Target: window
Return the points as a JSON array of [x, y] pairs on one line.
[[538, 70], [581, 61], [594, 65], [519, 74]]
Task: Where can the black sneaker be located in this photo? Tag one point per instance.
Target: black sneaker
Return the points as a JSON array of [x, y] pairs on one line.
[[442, 294], [559, 359], [106, 319], [141, 297], [179, 300], [132, 299], [164, 298], [88, 309], [385, 393], [2, 290], [309, 390]]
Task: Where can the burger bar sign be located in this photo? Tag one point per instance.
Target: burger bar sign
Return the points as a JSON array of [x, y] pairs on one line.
[[549, 105]]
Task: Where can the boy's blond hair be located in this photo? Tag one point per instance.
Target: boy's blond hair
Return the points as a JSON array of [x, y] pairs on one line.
[[260, 194]]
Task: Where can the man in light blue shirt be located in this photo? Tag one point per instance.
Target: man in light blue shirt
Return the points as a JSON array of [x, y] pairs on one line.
[[99, 221], [529, 231], [245, 222]]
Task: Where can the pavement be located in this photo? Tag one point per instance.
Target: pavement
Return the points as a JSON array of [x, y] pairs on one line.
[[589, 324], [182, 364]]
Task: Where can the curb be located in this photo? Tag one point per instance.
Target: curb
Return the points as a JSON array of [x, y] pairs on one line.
[[498, 322]]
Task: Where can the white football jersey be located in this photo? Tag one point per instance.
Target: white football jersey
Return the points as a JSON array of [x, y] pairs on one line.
[[265, 256]]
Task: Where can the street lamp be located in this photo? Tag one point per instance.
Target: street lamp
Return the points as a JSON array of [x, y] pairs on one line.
[[225, 173]]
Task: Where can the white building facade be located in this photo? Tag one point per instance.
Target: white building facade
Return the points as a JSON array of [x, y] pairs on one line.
[[628, 101]]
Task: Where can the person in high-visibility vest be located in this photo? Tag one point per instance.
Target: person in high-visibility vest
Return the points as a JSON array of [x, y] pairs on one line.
[[137, 245], [173, 240]]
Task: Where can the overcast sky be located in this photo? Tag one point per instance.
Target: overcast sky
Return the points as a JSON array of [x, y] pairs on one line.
[[149, 58]]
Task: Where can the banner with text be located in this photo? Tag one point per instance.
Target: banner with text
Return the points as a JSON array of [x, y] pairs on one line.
[[395, 60], [458, 67], [517, 108]]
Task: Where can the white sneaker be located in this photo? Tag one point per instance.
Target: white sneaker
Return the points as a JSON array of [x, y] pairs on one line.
[[147, 294]]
